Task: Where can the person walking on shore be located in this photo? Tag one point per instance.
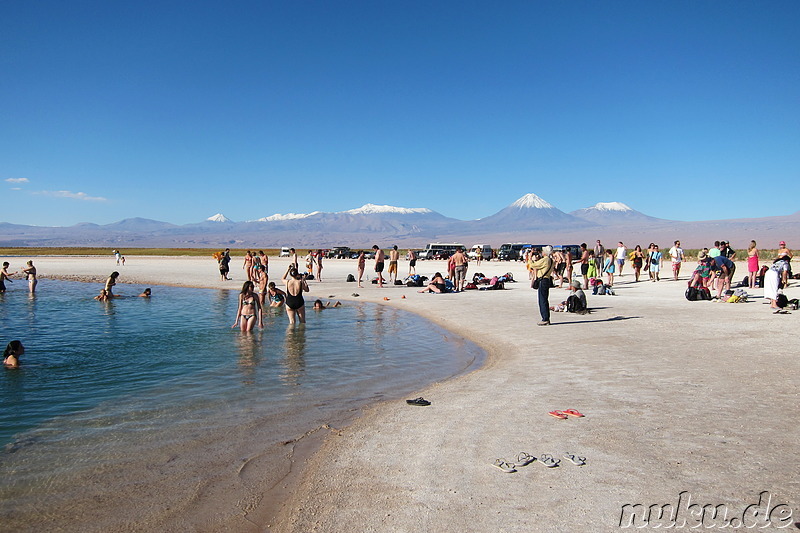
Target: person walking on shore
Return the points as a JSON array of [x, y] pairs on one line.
[[247, 265], [655, 263], [638, 261], [293, 258], [319, 265], [676, 254], [621, 254], [380, 259], [542, 270], [599, 257], [783, 251], [460, 263]]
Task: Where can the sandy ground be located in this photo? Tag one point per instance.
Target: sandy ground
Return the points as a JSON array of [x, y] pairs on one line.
[[694, 397]]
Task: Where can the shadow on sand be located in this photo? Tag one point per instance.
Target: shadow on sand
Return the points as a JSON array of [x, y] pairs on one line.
[[612, 319]]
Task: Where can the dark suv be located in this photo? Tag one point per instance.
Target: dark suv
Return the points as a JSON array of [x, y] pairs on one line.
[[339, 252]]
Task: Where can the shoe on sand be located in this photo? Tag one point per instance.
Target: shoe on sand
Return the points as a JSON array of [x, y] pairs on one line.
[[418, 401], [573, 412], [547, 460], [575, 459], [524, 459], [558, 414], [505, 466], [544, 323]]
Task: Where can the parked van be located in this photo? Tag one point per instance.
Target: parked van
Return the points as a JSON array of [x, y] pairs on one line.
[[284, 252], [438, 250], [484, 251], [512, 251]]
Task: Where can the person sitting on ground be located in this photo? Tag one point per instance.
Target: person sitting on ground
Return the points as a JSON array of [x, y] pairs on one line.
[[437, 284], [12, 353], [575, 302], [319, 306], [701, 277], [146, 293]]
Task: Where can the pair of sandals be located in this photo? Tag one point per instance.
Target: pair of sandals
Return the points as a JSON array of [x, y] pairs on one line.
[[524, 459]]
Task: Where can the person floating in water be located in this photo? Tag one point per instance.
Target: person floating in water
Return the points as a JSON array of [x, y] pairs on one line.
[[319, 306], [145, 293], [12, 353], [103, 296]]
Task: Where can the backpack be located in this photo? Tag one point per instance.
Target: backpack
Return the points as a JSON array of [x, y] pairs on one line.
[[794, 304], [782, 301], [692, 294], [703, 293], [350, 278], [574, 304]]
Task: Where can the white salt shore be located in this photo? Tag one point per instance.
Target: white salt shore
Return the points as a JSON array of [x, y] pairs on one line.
[[692, 398]]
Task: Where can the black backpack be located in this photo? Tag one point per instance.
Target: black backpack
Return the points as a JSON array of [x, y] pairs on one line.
[[350, 278], [574, 304], [692, 294], [782, 301]]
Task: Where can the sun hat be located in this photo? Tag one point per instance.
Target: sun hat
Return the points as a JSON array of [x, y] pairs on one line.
[[782, 243]]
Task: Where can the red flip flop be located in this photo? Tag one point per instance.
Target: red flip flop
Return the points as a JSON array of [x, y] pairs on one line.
[[573, 412], [558, 414]]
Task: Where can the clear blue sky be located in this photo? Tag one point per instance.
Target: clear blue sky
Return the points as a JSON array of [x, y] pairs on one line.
[[175, 111]]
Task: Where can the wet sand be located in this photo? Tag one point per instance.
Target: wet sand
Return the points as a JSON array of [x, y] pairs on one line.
[[678, 396]]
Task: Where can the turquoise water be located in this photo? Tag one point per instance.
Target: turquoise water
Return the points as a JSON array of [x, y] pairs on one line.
[[151, 373]]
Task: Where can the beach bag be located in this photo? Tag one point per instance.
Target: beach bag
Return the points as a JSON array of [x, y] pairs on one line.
[[351, 278], [470, 286], [794, 304], [691, 294], [703, 293], [535, 283]]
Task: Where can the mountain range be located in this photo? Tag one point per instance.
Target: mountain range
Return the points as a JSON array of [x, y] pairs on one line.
[[528, 219]]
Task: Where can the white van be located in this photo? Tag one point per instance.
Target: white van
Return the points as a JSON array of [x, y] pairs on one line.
[[438, 250], [484, 251], [284, 252]]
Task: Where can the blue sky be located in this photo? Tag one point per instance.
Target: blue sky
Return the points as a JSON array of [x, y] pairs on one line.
[[175, 111]]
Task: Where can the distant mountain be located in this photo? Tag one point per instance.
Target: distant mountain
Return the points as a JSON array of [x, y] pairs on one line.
[[530, 218], [529, 212], [612, 213]]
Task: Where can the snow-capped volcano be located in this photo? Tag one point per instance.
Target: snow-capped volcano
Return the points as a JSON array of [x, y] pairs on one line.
[[610, 213], [371, 209], [529, 212], [287, 216], [219, 217], [530, 200]]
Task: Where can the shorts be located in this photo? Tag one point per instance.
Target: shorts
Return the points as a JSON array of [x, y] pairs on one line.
[[379, 267], [392, 267], [584, 269], [412, 263], [560, 268], [620, 262], [461, 272], [676, 265]]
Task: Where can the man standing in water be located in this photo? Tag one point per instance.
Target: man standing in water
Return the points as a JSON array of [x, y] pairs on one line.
[[379, 262], [394, 256]]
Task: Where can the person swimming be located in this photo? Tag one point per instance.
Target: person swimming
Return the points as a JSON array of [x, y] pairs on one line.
[[319, 306], [103, 296], [276, 296], [145, 293], [12, 353]]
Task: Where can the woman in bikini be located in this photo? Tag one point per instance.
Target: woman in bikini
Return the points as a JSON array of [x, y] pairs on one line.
[[295, 287], [30, 274], [110, 282], [249, 310]]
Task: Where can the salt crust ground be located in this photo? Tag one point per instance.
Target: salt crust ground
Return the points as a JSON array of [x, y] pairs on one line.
[[678, 396]]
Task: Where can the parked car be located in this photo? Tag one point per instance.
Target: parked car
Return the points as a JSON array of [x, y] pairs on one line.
[[339, 252], [512, 251], [284, 252]]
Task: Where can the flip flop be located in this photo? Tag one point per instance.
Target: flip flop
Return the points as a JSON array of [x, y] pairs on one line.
[[573, 412], [524, 459], [505, 466], [575, 459], [418, 401], [547, 460], [558, 414]]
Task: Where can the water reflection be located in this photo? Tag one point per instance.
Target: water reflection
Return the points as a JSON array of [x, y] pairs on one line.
[[249, 347], [294, 362]]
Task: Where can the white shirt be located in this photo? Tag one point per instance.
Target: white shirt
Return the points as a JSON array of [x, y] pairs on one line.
[[621, 251], [676, 254]]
